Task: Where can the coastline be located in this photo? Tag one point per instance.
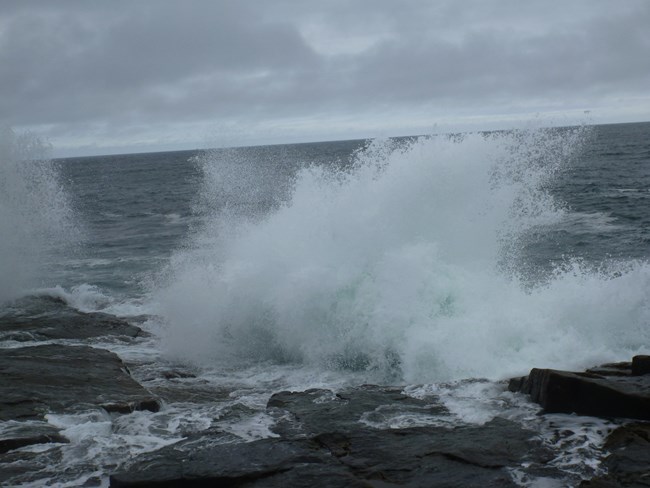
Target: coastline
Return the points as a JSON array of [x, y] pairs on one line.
[[340, 438]]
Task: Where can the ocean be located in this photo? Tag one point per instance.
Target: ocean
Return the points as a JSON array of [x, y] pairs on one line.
[[443, 264]]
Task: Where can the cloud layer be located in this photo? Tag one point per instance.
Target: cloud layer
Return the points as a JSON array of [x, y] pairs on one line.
[[151, 74]]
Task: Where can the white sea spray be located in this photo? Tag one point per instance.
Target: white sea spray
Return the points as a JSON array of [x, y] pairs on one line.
[[36, 217], [404, 265]]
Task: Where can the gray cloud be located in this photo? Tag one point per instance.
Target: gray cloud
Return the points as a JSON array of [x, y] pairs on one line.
[[122, 72]]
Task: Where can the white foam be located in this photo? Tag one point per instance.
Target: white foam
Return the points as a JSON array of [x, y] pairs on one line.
[[91, 298], [575, 441], [404, 266], [83, 297], [476, 401], [391, 417], [251, 428], [99, 442]]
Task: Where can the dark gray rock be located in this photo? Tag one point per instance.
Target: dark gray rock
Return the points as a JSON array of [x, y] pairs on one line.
[[220, 465], [610, 390], [58, 378], [43, 318], [628, 464], [315, 411], [612, 369], [19, 434], [640, 365], [601, 395], [422, 456], [332, 447]]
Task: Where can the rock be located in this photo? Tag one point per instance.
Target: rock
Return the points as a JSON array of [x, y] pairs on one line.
[[19, 434], [177, 374], [335, 446], [316, 411], [612, 369], [43, 318], [221, 465], [364, 457], [58, 378], [587, 393], [640, 365], [628, 463]]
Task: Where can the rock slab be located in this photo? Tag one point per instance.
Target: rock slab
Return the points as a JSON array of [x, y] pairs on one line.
[[325, 442], [56, 378], [46, 318], [607, 391]]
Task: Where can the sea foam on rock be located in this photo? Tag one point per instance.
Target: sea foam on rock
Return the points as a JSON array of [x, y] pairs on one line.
[[620, 390], [322, 441], [628, 464], [60, 378]]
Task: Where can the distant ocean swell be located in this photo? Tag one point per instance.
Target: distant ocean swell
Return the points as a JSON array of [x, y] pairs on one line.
[[406, 265]]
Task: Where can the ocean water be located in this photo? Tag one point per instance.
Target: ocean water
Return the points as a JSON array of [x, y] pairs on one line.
[[442, 263]]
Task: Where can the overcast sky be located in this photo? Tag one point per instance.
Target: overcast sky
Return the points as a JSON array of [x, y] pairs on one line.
[[96, 77]]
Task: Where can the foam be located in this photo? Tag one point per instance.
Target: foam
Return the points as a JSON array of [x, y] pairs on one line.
[[404, 266]]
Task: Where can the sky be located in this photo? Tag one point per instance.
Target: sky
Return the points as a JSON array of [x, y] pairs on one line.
[[101, 77]]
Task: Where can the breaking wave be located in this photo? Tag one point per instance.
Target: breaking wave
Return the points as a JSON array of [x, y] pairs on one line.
[[405, 264]]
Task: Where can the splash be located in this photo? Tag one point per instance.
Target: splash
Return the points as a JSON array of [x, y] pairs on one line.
[[404, 264], [35, 215]]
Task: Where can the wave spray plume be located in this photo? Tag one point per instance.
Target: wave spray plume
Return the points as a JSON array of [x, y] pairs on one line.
[[404, 265], [36, 218]]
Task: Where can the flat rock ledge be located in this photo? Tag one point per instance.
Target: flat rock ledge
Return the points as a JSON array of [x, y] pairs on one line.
[[345, 439], [612, 390], [322, 442], [55, 378], [46, 318]]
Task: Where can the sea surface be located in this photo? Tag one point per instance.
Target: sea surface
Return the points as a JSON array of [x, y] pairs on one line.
[[444, 264]]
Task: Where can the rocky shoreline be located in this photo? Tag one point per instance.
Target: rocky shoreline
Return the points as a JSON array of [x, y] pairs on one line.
[[320, 437], [619, 390]]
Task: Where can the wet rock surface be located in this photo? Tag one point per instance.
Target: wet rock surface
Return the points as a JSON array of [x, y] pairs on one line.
[[628, 464], [325, 439], [370, 436], [378, 436], [621, 390], [45, 318], [17, 434], [316, 411], [60, 378]]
